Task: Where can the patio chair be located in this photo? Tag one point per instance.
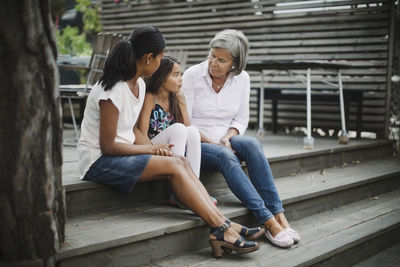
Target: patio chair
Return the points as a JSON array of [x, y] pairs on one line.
[[79, 92]]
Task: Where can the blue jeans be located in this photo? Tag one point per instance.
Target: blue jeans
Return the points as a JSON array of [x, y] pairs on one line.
[[259, 195]]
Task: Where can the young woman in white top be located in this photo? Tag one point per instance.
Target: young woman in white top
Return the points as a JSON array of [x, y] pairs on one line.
[[217, 95], [114, 152]]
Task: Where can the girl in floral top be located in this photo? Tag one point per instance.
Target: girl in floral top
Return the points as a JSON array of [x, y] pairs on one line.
[[165, 119]]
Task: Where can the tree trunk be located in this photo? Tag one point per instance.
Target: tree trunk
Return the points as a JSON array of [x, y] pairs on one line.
[[32, 209]]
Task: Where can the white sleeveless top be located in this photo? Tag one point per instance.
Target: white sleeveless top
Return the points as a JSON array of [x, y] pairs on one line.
[[129, 108]]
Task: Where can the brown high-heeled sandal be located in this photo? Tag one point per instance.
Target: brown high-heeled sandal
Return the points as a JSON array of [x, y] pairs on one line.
[[219, 244], [249, 233]]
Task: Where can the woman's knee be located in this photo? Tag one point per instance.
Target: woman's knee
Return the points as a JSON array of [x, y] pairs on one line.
[[226, 156], [254, 143], [179, 167], [248, 142], [178, 164]]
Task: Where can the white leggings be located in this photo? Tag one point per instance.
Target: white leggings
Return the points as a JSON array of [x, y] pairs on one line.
[[185, 139]]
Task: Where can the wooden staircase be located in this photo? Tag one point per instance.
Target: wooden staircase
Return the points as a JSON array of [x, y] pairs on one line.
[[343, 200]]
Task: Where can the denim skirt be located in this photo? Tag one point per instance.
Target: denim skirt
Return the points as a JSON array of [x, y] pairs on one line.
[[119, 172]]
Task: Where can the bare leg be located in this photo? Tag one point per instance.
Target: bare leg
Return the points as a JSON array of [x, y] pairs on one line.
[[237, 227], [201, 186], [281, 219], [187, 190], [273, 226]]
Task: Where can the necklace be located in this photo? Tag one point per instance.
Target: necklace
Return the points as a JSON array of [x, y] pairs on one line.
[[218, 85]]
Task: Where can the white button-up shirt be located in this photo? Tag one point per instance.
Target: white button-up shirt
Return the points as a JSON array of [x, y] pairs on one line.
[[214, 113]]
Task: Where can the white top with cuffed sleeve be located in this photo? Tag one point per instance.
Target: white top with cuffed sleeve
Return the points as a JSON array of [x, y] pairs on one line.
[[129, 109], [214, 113]]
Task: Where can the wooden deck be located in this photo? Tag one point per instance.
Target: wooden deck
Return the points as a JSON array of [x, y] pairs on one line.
[[276, 147], [343, 199]]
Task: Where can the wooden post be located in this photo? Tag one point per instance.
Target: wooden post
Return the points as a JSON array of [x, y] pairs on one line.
[[390, 69], [308, 141], [260, 131], [32, 210]]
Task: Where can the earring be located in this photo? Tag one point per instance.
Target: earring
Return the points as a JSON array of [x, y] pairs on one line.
[[233, 67], [147, 63]]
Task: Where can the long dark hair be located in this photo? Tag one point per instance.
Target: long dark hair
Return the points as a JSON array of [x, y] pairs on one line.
[[155, 82], [121, 64]]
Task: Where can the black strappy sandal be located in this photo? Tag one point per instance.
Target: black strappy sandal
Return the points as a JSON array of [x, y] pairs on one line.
[[219, 244], [249, 233]]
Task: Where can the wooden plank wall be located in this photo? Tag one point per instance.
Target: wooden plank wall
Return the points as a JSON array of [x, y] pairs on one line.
[[353, 32]]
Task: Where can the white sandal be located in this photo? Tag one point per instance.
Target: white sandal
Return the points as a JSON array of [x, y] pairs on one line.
[[293, 234], [282, 239]]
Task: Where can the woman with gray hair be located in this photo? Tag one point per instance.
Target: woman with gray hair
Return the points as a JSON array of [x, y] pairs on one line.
[[217, 95]]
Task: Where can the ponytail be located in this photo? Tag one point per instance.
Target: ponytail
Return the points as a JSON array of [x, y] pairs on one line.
[[121, 64]]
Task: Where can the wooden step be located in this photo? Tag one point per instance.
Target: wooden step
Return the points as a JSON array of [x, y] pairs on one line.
[[285, 153], [387, 257], [144, 232], [338, 237]]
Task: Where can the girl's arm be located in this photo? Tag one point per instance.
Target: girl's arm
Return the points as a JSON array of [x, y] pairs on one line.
[[183, 108], [144, 117], [140, 138], [108, 130]]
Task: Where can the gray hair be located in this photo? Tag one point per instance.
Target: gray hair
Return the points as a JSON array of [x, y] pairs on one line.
[[235, 42]]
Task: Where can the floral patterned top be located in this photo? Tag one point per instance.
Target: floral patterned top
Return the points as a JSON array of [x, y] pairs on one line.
[[159, 120]]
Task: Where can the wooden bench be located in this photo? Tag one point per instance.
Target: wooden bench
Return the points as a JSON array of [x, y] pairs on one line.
[[350, 97], [335, 94]]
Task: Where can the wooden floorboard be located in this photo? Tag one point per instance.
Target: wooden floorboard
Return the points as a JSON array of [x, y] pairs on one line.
[[91, 232], [321, 233], [276, 147]]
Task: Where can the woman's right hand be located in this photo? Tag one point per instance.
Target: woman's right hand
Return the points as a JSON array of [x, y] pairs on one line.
[[163, 150]]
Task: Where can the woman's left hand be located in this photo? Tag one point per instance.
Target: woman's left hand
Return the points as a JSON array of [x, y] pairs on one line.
[[225, 142]]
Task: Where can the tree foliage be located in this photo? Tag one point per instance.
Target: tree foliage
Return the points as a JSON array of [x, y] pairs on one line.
[[70, 42], [90, 13]]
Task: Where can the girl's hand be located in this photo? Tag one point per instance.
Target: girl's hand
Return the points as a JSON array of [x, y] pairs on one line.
[[163, 150]]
